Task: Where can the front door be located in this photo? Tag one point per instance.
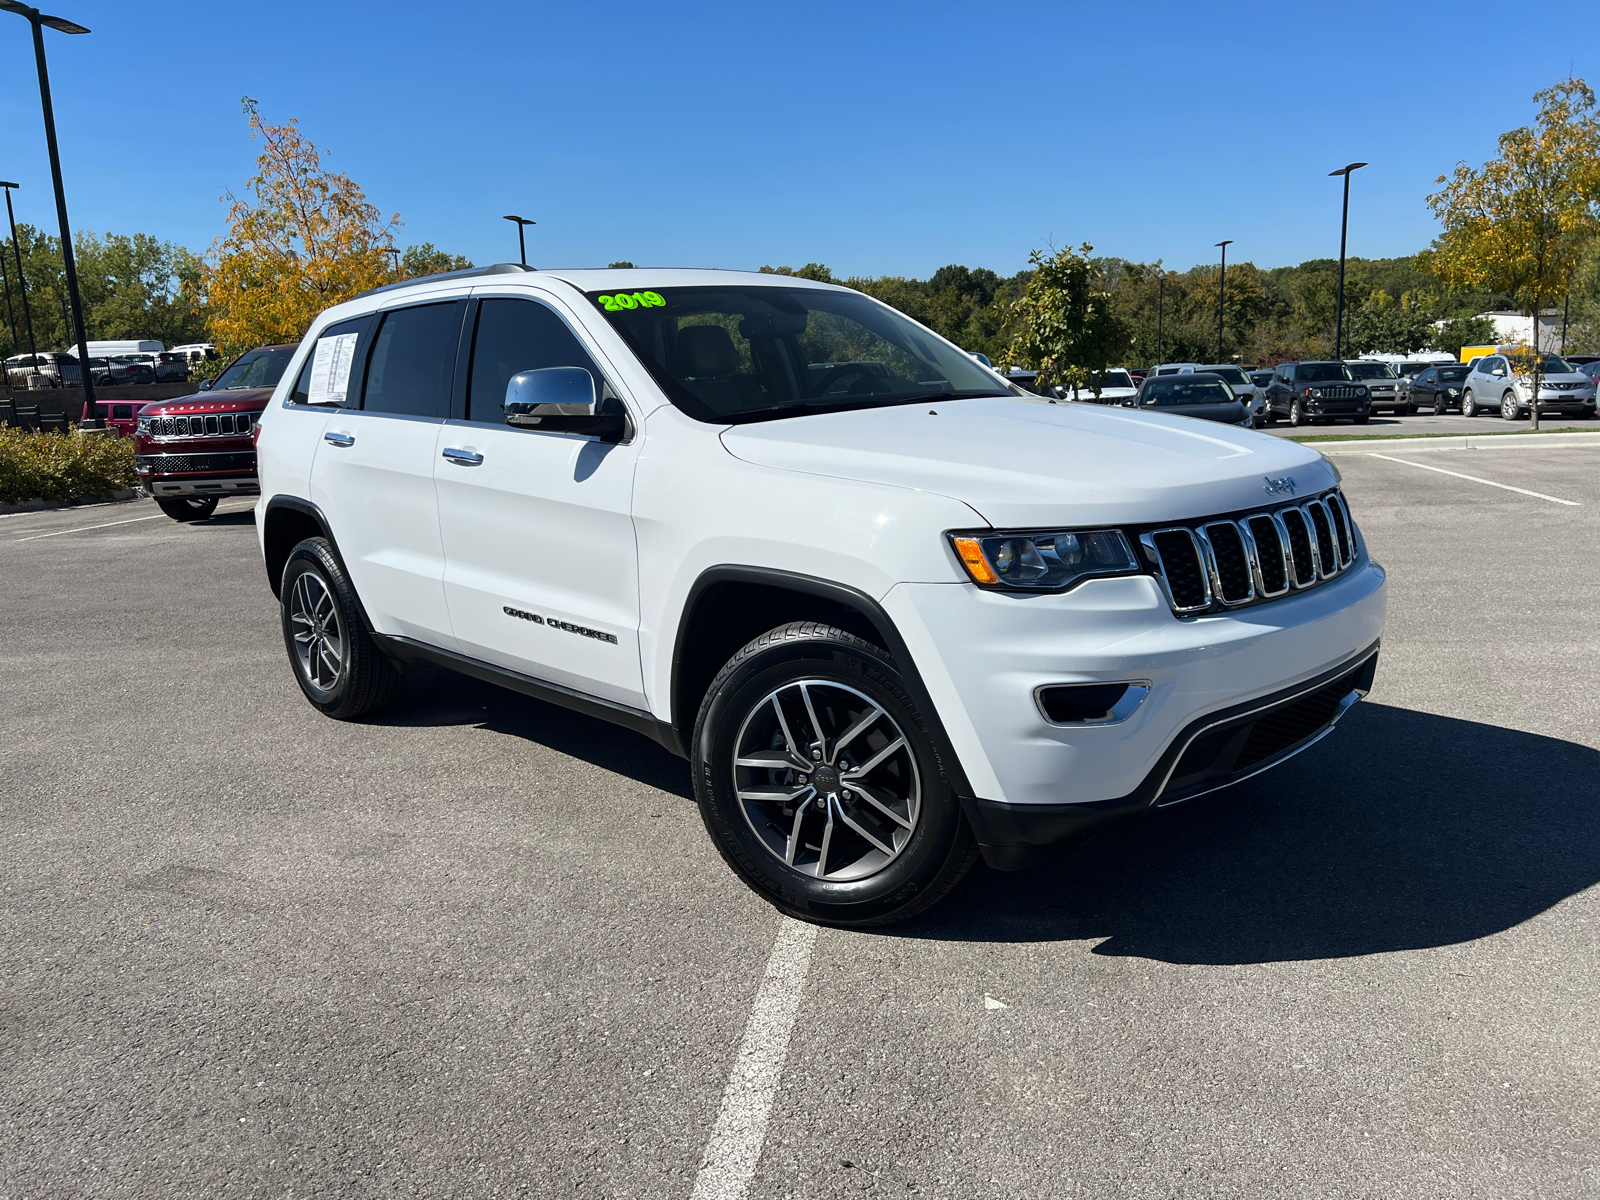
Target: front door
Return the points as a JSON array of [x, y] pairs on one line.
[[373, 473], [541, 572]]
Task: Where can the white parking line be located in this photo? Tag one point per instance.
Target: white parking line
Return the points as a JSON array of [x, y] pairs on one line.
[[1475, 479], [735, 1146], [85, 528]]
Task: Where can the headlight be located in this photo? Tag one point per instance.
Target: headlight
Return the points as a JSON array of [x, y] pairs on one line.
[[1047, 561], [1314, 393], [144, 424]]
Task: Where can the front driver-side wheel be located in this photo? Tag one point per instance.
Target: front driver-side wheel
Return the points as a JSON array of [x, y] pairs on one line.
[[1469, 406], [335, 661], [819, 782], [188, 508], [1297, 413], [1508, 405]]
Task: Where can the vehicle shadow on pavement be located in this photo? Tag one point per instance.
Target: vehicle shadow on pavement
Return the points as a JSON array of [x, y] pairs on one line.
[[435, 696], [1402, 830]]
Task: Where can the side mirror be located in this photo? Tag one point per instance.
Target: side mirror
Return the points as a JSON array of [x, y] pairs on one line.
[[205, 384], [560, 400]]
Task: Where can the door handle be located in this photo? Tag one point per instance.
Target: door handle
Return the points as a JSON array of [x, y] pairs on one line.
[[464, 458], [339, 439]]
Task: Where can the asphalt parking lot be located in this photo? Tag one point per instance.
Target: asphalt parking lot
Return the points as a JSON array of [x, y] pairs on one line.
[[1388, 425], [481, 947]]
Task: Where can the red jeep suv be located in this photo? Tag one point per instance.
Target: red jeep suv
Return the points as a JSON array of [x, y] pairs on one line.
[[192, 451]]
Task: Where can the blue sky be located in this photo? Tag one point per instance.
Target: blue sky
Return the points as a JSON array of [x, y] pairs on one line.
[[879, 138]]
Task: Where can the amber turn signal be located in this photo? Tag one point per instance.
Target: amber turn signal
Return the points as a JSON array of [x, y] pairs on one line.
[[972, 557]]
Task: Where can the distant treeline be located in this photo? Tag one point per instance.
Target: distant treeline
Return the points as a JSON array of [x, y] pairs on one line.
[[1271, 316]]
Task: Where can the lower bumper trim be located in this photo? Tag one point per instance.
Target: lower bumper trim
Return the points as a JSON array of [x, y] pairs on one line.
[[1211, 753]]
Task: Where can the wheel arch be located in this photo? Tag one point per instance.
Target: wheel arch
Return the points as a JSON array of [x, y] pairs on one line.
[[728, 605], [290, 521]]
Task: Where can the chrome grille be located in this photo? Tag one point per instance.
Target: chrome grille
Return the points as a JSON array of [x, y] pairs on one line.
[[211, 425], [1235, 561]]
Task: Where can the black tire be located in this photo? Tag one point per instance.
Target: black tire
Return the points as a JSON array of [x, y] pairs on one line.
[[364, 679], [1469, 405], [1439, 406], [188, 508], [1508, 406], [1297, 413], [747, 697]]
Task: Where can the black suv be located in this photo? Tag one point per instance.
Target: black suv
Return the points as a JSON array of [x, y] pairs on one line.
[[1316, 393]]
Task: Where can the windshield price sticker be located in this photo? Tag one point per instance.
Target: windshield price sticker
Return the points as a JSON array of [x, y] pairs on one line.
[[623, 301]]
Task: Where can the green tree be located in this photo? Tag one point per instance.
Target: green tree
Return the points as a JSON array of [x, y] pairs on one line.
[[1063, 324], [1457, 332], [1385, 325], [1521, 222], [427, 259]]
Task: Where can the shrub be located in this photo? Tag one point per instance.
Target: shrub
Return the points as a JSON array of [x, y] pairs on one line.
[[62, 466]]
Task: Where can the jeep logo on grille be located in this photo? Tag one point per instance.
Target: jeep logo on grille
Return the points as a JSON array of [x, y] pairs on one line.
[[1277, 487]]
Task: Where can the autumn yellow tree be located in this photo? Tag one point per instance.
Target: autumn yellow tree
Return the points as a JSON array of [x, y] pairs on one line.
[[301, 238], [1519, 224]]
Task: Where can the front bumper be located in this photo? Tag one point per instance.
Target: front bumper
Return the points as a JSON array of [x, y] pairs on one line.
[[983, 655]]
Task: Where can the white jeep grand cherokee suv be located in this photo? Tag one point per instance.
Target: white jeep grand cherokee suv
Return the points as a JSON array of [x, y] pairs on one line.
[[896, 614]]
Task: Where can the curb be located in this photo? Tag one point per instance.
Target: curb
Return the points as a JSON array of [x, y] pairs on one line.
[[42, 505], [1469, 441]]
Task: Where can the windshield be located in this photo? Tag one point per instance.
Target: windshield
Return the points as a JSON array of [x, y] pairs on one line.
[[1453, 374], [737, 353], [1321, 372], [256, 369], [1231, 374], [1184, 389], [1370, 370], [1523, 365], [1109, 379]]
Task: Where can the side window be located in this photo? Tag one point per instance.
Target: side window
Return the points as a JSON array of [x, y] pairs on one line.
[[1286, 372], [513, 336], [413, 361], [343, 385]]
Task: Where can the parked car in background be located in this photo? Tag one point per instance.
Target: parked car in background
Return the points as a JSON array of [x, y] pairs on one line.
[[100, 373], [1194, 394], [112, 349], [133, 368], [191, 451], [172, 367], [1440, 387], [1254, 397], [121, 415], [1116, 387], [1262, 379], [1384, 389], [1317, 392], [196, 352], [1505, 381], [1591, 369], [51, 367]]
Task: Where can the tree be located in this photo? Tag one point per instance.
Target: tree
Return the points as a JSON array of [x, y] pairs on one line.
[[1064, 325], [427, 259], [1385, 325], [1457, 332], [1521, 222], [301, 239]]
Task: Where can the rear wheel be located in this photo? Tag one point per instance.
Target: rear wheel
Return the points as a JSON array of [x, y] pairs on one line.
[[335, 661], [188, 508], [819, 782]]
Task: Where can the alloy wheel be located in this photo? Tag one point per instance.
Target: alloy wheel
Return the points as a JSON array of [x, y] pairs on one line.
[[318, 631], [1508, 406], [827, 781]]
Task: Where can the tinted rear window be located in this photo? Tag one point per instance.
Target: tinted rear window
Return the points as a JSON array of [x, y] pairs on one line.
[[1321, 372]]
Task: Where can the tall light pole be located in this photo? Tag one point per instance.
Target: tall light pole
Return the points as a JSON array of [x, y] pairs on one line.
[[11, 313], [91, 415], [395, 251], [22, 280], [1161, 307], [1222, 292], [522, 245], [1344, 226]]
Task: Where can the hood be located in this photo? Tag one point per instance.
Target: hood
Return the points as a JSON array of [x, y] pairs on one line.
[[232, 400], [1019, 463]]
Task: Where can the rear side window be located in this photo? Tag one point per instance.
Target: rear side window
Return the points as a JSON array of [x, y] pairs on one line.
[[513, 336], [413, 361], [341, 382]]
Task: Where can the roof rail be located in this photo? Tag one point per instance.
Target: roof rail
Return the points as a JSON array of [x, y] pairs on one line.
[[464, 273]]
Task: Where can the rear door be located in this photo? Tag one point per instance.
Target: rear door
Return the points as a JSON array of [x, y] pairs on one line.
[[541, 569], [372, 475]]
